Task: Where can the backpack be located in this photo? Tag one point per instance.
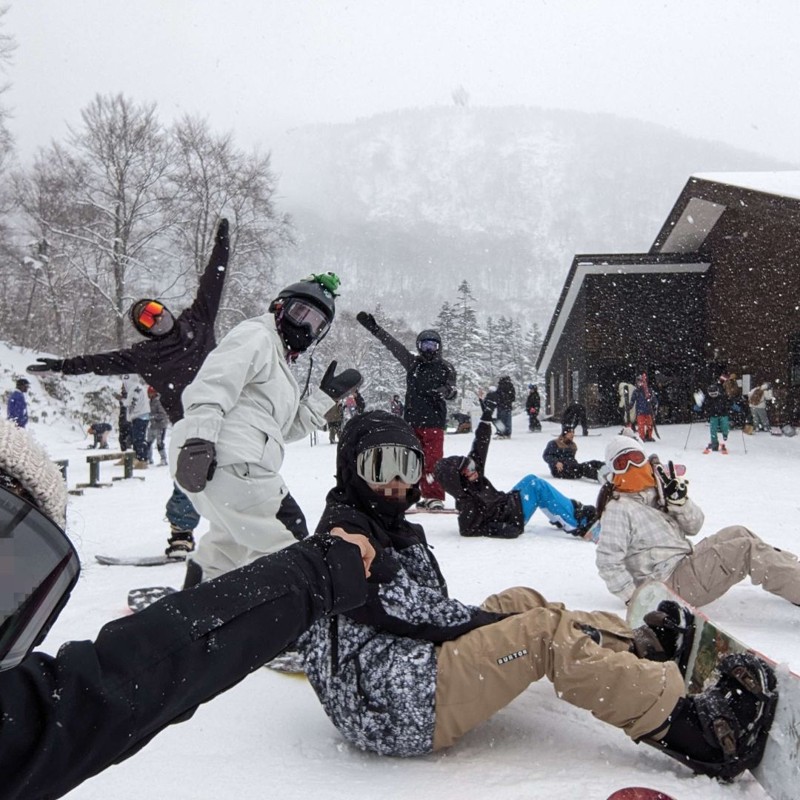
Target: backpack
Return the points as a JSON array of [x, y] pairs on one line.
[[756, 396]]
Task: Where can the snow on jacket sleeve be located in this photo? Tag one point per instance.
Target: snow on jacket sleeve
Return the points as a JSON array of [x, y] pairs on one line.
[[96, 703]]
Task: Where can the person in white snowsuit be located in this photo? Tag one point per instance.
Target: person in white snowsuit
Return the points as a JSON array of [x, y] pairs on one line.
[[239, 412], [645, 519], [413, 670]]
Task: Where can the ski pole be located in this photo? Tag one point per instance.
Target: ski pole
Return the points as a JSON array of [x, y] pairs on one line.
[[688, 434], [744, 442]]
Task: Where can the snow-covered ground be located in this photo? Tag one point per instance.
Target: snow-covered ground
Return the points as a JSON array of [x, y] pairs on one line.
[[268, 737]]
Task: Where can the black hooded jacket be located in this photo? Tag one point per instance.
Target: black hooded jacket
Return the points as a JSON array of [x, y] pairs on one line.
[[482, 509], [374, 668], [430, 381], [169, 363]]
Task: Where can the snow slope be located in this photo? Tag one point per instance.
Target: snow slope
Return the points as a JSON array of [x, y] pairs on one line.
[[269, 737]]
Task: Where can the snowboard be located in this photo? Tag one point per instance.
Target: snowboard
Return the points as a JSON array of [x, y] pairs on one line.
[[779, 770], [776, 430], [137, 561], [139, 599], [639, 793]]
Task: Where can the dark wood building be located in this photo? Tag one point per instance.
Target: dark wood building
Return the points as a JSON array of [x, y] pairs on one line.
[[719, 289]]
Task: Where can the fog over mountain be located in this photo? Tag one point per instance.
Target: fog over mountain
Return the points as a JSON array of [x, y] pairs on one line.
[[407, 204]]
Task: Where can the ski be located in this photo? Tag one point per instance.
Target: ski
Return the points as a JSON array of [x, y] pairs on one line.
[[431, 511], [139, 599], [136, 561]]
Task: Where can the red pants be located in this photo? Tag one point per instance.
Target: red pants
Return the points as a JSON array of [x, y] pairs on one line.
[[432, 441], [644, 422]]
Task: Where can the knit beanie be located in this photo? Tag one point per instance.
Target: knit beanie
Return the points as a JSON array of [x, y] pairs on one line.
[[23, 459]]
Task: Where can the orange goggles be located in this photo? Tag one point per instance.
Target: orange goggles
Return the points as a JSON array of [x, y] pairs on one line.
[[629, 458], [149, 314]]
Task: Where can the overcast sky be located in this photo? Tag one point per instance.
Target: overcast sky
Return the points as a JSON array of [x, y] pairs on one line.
[[720, 69]]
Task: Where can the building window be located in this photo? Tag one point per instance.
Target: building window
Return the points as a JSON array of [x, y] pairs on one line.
[[575, 386]]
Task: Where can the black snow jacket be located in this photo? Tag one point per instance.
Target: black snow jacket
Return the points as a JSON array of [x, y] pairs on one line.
[[506, 394], [430, 381], [532, 402], [482, 509], [65, 719], [169, 363], [717, 403], [374, 668]]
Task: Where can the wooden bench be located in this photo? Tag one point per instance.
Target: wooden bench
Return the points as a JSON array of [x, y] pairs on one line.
[[94, 469]]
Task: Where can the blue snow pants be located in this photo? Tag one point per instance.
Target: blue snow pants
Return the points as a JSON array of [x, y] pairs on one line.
[[536, 493]]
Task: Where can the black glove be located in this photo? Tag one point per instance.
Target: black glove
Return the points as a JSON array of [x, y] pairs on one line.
[[337, 386], [46, 365], [368, 321], [488, 405], [219, 255], [675, 488], [197, 462]]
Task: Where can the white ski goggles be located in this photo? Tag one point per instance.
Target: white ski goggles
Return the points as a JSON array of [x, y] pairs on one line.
[[623, 461], [38, 568], [301, 312], [384, 463]]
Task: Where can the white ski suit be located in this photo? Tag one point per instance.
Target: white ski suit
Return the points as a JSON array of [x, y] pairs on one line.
[[246, 400]]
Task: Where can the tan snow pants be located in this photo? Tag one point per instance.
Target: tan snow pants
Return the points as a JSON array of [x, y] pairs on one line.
[[729, 556], [484, 670]]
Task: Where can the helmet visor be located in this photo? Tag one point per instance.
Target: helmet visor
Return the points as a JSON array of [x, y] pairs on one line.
[[385, 463], [622, 462], [301, 312], [38, 568]]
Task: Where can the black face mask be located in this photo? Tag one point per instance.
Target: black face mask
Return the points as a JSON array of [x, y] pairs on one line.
[[297, 338]]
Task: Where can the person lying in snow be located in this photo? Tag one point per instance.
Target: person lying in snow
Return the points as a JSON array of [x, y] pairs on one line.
[[646, 516], [413, 670], [486, 511]]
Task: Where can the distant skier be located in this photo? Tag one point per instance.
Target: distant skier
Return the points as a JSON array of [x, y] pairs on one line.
[[533, 404], [645, 403], [717, 406], [17, 406]]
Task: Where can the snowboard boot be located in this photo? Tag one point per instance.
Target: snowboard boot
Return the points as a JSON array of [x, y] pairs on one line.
[[723, 731], [723, 448], [585, 516], [435, 505], [667, 634], [179, 544]]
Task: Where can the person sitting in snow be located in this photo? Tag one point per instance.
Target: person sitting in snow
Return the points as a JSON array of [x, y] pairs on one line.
[[559, 455], [486, 511], [646, 516], [413, 670]]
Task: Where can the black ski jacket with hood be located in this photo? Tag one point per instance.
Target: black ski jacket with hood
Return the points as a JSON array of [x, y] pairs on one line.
[[430, 380], [482, 509], [68, 717], [169, 363], [374, 669]]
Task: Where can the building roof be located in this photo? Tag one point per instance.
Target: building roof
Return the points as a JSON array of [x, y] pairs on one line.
[[785, 183], [620, 264]]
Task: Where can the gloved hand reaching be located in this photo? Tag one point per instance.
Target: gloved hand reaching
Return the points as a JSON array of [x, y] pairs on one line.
[[488, 404], [337, 386], [368, 321], [197, 462], [46, 365], [675, 489], [219, 255]]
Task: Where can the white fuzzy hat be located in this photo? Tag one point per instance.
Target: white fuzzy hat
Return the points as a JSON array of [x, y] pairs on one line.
[[23, 459], [621, 443]]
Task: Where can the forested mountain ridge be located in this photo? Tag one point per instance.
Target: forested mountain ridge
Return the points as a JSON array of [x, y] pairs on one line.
[[404, 205]]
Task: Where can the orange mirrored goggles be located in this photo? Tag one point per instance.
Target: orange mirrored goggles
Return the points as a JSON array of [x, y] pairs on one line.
[[148, 315], [627, 459]]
